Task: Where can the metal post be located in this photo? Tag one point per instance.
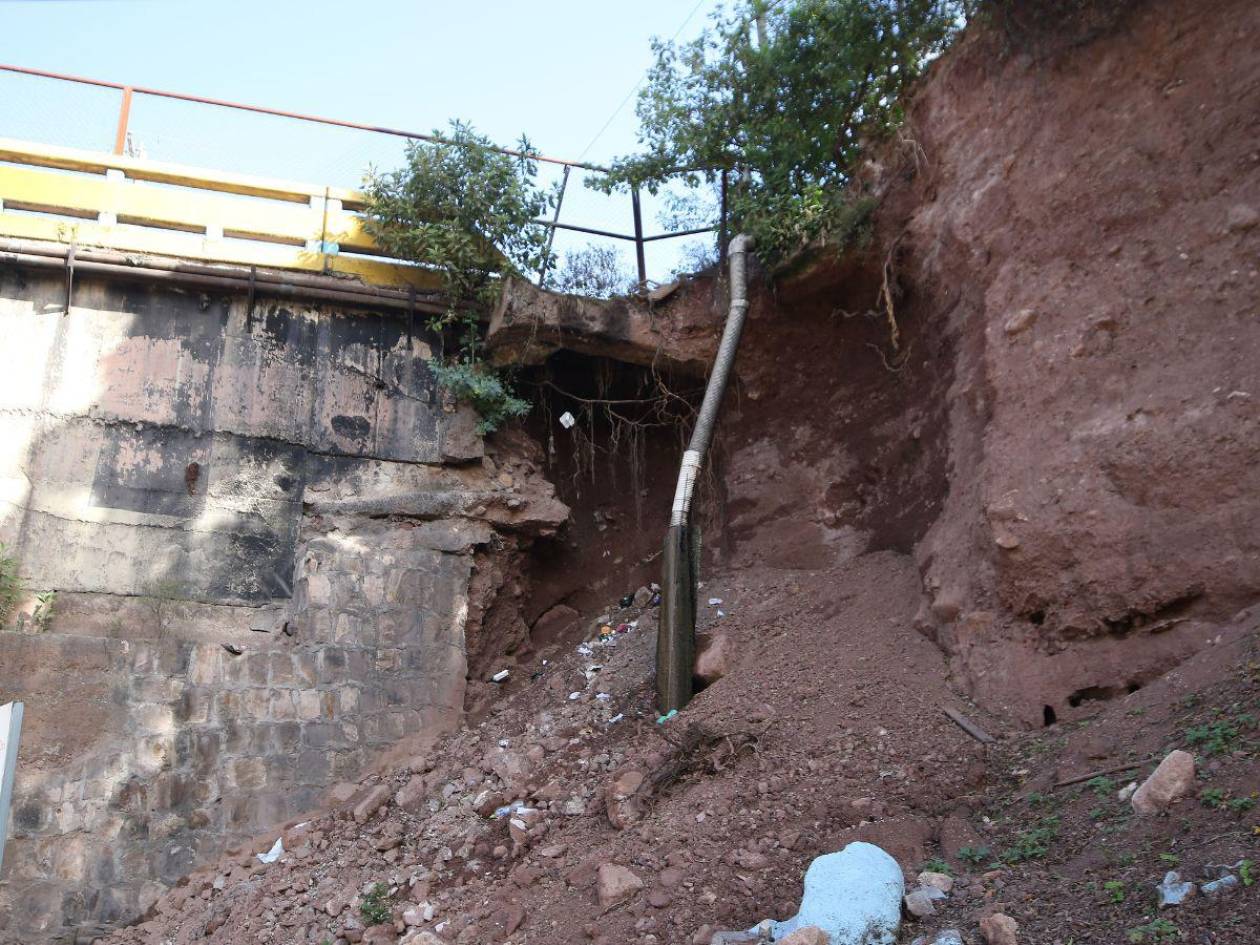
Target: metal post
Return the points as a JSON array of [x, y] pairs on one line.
[[551, 232], [722, 220], [638, 236], [124, 116]]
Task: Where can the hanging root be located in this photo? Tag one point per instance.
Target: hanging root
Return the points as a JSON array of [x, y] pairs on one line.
[[886, 297]]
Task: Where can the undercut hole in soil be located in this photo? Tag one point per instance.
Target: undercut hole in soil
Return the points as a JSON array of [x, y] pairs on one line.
[[1049, 716]]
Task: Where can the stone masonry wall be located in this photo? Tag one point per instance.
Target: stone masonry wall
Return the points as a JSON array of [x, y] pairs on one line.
[[261, 527]]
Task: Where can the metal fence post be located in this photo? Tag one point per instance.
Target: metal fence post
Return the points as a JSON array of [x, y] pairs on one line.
[[638, 236], [551, 232], [124, 116]]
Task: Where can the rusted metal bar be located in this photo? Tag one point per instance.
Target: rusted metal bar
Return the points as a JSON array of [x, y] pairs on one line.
[[676, 233], [147, 261], [551, 234], [638, 235], [280, 113], [124, 117], [235, 283], [585, 229], [968, 726]]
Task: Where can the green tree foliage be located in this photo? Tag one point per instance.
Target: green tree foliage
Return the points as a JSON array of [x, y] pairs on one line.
[[468, 211], [788, 118]]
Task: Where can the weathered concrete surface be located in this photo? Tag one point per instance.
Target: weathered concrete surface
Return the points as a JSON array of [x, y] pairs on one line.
[[189, 478], [531, 324]]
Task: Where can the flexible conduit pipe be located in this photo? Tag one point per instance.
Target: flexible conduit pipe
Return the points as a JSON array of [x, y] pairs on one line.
[[676, 645]]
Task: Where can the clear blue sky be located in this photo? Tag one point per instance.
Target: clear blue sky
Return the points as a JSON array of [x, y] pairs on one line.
[[554, 69]]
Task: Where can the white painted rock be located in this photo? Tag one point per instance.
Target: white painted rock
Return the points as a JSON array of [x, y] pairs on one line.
[[854, 896], [1169, 783]]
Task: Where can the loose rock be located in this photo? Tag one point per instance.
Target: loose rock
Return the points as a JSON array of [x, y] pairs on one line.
[[1170, 782], [615, 884], [999, 929]]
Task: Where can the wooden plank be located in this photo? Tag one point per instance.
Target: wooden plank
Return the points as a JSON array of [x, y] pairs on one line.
[[195, 246], [10, 735], [43, 155]]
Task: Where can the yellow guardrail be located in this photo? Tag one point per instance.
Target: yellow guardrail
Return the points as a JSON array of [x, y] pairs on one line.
[[116, 202]]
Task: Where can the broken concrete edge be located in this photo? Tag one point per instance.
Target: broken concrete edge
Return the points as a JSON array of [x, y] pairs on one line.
[[531, 324]]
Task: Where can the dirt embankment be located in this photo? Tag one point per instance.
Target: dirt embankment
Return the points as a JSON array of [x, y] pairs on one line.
[[1065, 434]]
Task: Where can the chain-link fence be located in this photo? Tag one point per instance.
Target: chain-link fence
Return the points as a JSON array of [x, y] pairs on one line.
[[637, 238]]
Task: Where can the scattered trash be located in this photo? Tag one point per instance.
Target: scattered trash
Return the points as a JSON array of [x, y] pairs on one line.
[[574, 696], [714, 601], [516, 807], [721, 613], [1172, 891], [623, 628], [605, 631], [627, 600], [662, 719], [656, 599], [616, 718], [567, 420], [1220, 887], [603, 696], [501, 675], [503, 743], [276, 851], [585, 650]]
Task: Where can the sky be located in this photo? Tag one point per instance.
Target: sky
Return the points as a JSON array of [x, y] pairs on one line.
[[556, 70]]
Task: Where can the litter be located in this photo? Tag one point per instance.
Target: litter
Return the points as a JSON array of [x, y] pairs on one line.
[[616, 718], [721, 613], [585, 650], [574, 696], [516, 807], [656, 599], [714, 601], [627, 600], [567, 420], [623, 628], [662, 719], [276, 851], [500, 675], [603, 696], [503, 743]]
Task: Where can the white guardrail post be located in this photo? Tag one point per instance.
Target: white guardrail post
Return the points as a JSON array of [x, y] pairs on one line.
[[10, 731]]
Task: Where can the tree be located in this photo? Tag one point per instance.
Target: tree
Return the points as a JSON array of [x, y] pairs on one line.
[[787, 119]]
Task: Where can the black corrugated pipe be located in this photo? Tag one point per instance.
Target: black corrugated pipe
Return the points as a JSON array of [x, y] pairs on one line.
[[676, 642]]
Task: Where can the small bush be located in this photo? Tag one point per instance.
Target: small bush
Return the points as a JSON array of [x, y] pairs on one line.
[[1212, 797], [375, 907], [973, 855], [11, 588], [488, 393], [1159, 930]]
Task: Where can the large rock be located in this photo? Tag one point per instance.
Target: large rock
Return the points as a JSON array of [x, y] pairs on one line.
[[1168, 783], [615, 884], [854, 896]]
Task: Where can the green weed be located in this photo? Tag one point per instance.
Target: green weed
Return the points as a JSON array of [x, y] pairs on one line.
[[375, 907]]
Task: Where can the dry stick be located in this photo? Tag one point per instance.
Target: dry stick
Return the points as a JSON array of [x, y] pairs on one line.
[[1099, 774], [969, 727]]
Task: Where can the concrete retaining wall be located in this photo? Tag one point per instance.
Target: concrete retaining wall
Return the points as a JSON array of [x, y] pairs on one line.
[[194, 480]]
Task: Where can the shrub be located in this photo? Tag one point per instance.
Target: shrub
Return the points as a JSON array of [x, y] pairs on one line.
[[11, 588], [468, 211]]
